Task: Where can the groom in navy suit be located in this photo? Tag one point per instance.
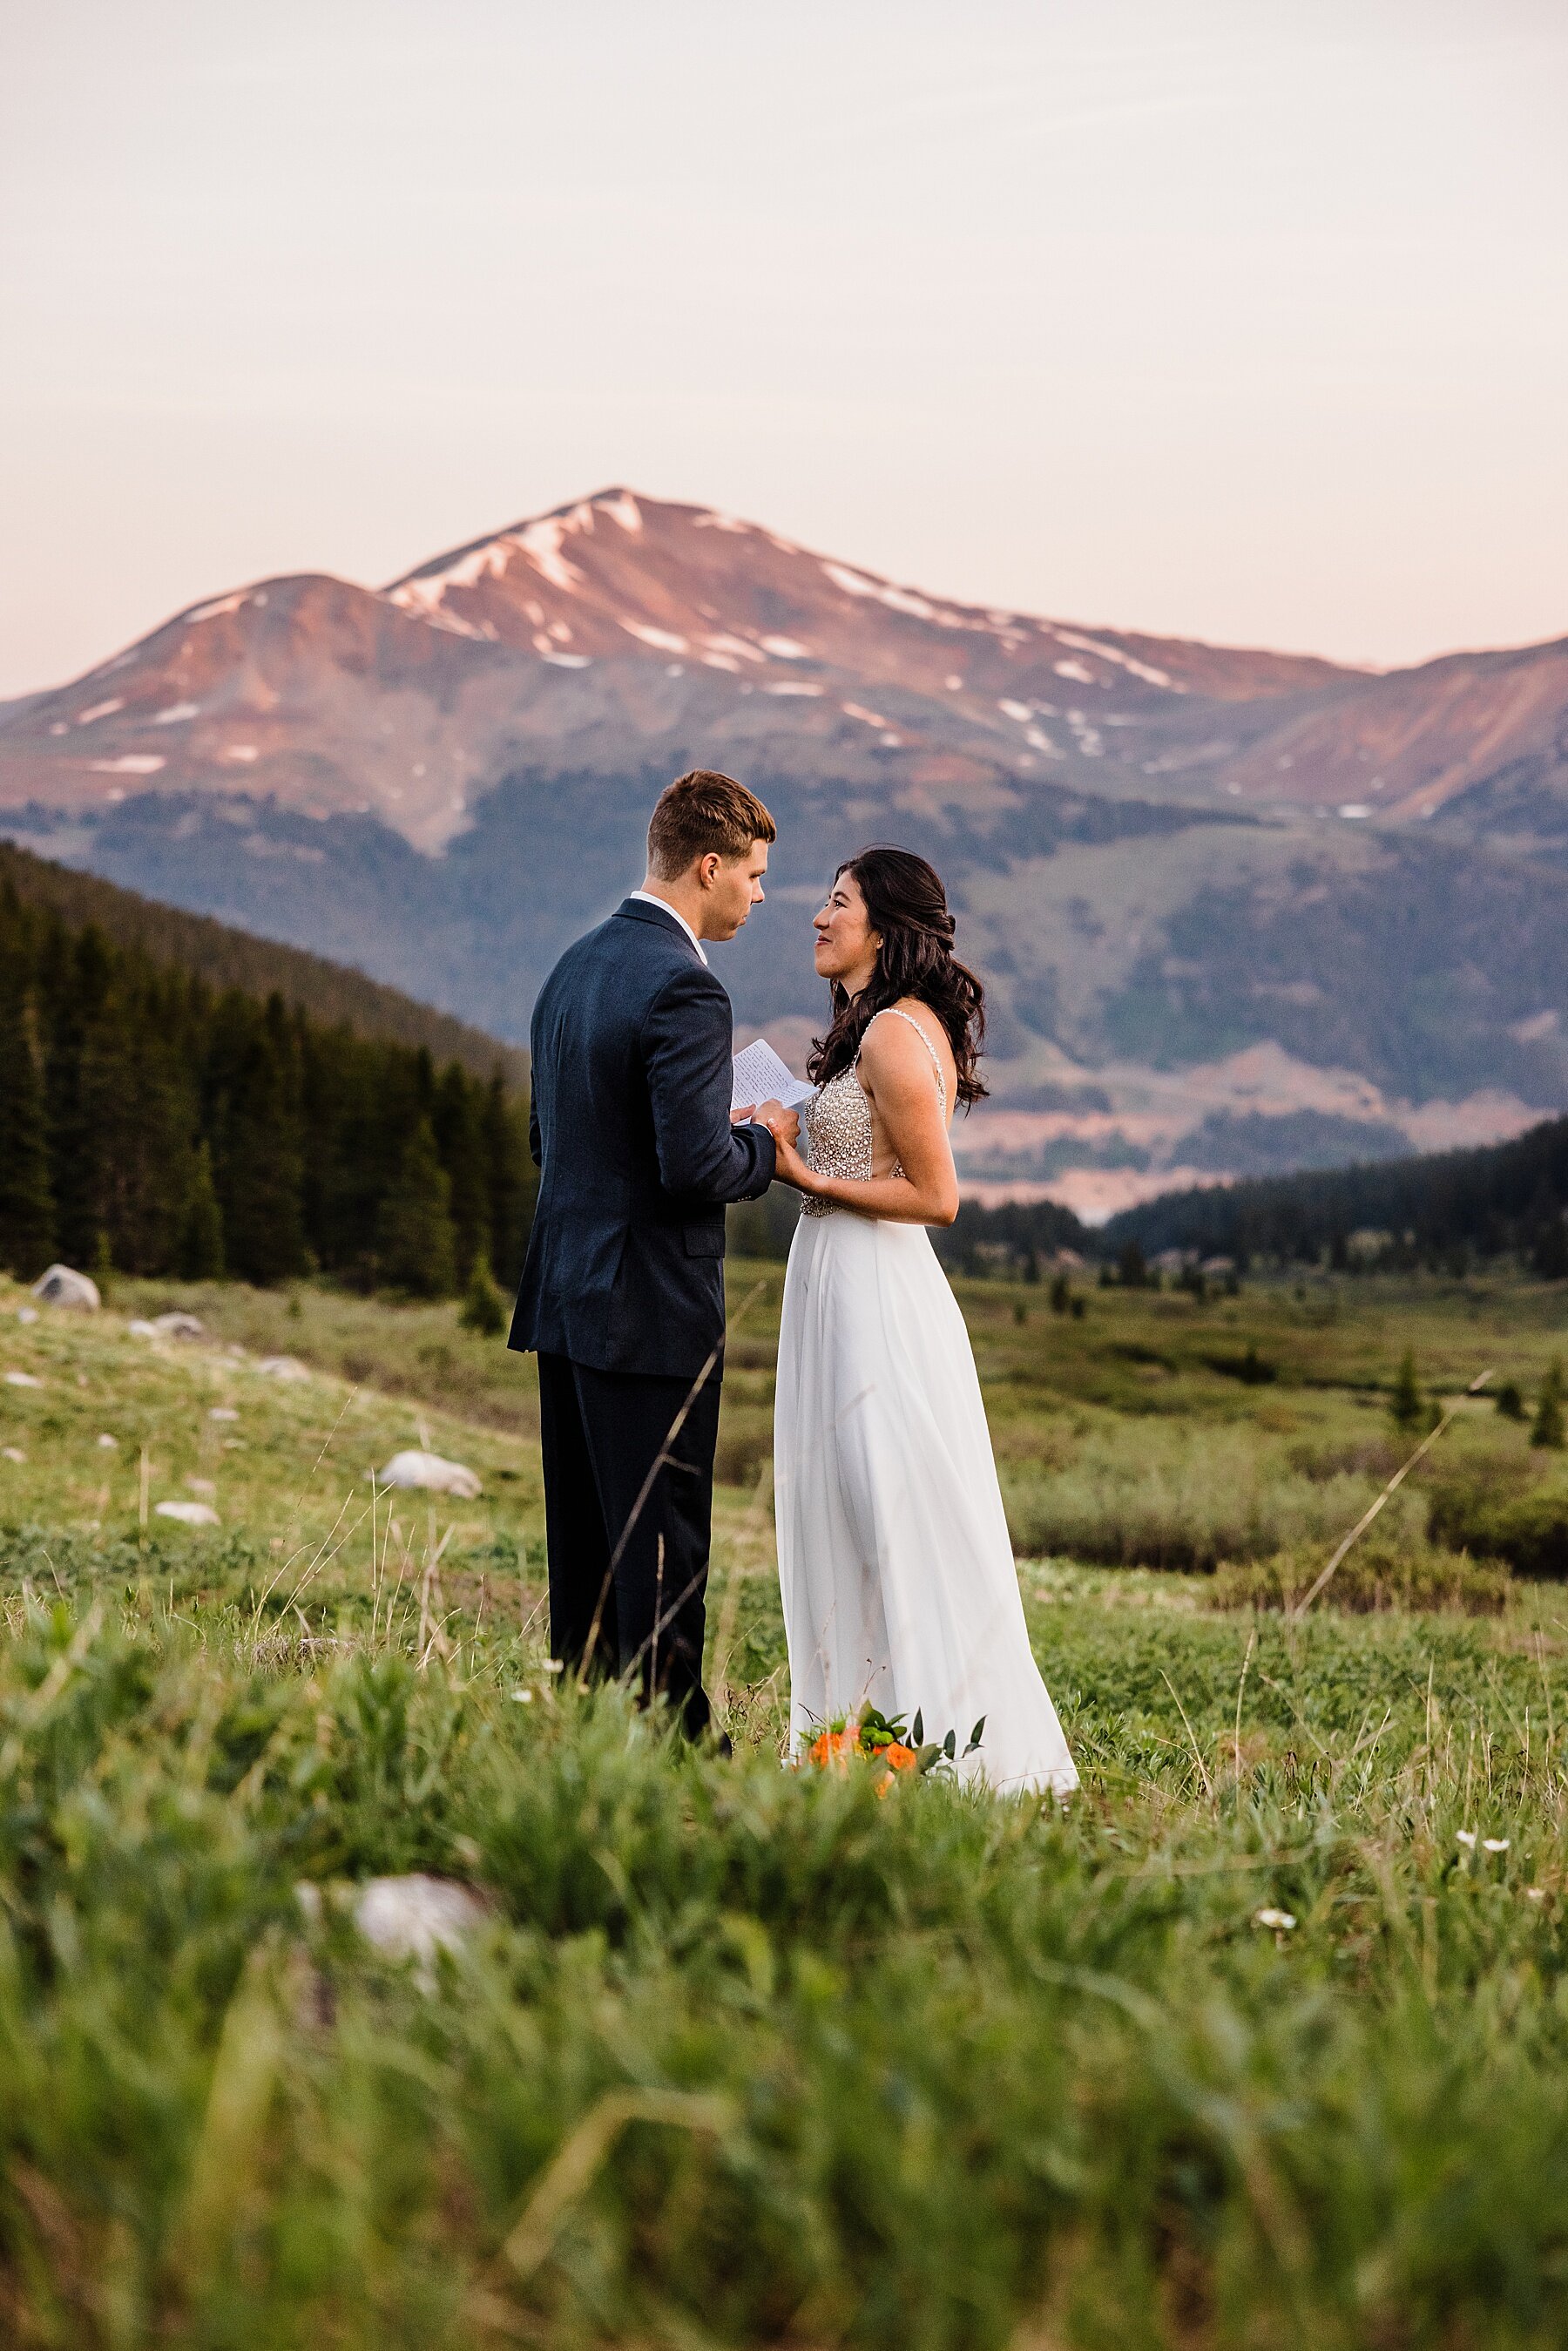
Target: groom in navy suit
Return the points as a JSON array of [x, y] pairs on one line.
[[623, 1291]]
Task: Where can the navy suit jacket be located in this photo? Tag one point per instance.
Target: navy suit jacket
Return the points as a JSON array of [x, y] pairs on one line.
[[630, 1123]]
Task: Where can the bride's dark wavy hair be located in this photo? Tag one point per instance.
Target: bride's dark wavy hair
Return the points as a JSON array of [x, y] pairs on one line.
[[909, 911]]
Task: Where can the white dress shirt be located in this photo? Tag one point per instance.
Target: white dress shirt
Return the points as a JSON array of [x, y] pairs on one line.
[[648, 899]]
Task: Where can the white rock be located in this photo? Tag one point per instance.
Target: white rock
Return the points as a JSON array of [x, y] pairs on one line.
[[139, 1329], [22, 1380], [190, 1514], [429, 1471], [282, 1367], [223, 1412], [63, 1286], [201, 1485], [414, 1918], [110, 1444], [9, 1453], [179, 1326], [27, 1313]]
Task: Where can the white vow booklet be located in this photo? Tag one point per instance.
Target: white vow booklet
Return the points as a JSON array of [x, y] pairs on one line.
[[758, 1075]]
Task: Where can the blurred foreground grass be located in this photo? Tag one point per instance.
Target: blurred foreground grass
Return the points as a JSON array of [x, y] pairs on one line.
[[745, 2055]]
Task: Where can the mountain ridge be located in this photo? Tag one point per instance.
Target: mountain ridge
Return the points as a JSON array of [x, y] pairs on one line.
[[1214, 885]]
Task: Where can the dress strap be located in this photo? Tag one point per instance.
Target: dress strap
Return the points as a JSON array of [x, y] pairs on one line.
[[899, 1014]]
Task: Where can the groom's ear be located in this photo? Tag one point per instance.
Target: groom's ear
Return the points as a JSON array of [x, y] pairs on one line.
[[708, 868]]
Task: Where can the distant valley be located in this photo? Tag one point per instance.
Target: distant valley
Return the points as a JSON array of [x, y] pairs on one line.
[[1238, 911]]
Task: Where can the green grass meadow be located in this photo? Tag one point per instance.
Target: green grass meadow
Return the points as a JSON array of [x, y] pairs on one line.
[[747, 2055]]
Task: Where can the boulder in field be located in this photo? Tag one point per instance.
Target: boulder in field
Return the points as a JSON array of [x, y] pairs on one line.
[[282, 1367], [176, 1325], [63, 1286], [22, 1380], [408, 1917], [190, 1514], [27, 1313], [430, 1472]]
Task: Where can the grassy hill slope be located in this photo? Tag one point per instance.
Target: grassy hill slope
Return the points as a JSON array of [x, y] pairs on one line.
[[1261, 2043], [226, 957]]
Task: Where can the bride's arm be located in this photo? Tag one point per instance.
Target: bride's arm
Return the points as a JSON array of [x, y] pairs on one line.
[[896, 1073]]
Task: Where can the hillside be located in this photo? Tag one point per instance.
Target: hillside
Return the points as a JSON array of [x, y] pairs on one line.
[[153, 1123], [1237, 909], [1512, 1197], [1258, 2043], [226, 957]]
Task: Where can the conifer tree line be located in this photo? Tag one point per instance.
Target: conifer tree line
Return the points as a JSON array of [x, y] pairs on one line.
[[154, 1124], [1504, 1200]]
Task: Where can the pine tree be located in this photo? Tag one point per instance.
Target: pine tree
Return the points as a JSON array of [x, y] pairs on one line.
[[136, 1111], [1405, 1405], [1548, 1431], [201, 1236], [461, 1140], [513, 1180], [263, 1223], [1061, 1294], [1550, 1253], [484, 1307], [1131, 1271], [26, 1202], [415, 1245]]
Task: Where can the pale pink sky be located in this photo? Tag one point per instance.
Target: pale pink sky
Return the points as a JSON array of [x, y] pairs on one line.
[[1246, 321]]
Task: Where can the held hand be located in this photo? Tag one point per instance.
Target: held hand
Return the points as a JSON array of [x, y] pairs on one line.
[[781, 1123], [790, 1169]]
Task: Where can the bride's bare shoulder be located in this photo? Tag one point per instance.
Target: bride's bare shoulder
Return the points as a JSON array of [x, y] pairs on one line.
[[908, 1040]]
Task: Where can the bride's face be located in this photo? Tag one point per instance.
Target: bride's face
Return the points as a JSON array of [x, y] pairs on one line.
[[846, 944]]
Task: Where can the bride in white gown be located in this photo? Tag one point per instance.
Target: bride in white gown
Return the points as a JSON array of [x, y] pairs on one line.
[[895, 1562]]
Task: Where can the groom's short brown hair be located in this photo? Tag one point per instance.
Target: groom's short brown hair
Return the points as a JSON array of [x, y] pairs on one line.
[[703, 814]]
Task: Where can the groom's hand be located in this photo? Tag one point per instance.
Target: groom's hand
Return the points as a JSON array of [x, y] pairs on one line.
[[781, 1123]]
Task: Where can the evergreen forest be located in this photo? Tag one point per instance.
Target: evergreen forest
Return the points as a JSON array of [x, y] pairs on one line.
[[1442, 1210], [152, 1123]]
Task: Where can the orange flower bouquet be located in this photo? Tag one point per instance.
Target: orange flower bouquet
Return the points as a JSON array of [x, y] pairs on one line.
[[886, 1743]]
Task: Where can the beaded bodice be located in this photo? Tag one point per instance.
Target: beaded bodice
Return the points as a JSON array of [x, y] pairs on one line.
[[836, 1123]]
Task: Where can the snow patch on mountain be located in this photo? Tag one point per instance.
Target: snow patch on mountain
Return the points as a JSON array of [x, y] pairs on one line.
[[665, 641], [622, 507], [1114, 654]]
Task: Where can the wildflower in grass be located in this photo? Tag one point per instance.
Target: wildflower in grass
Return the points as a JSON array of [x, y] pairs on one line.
[[884, 1742], [831, 1749], [1280, 1920], [1466, 1837], [1494, 1844], [1535, 1893]]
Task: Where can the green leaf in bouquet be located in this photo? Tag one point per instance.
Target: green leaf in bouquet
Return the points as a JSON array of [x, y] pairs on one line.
[[974, 1736], [918, 1735], [949, 1744]]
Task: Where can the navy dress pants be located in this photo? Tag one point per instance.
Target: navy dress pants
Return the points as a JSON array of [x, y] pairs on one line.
[[629, 1583]]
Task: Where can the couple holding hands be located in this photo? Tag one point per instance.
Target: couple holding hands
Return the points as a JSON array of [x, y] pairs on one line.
[[895, 1562]]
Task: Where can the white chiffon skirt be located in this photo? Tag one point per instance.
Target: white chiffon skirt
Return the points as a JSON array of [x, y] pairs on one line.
[[895, 1562]]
